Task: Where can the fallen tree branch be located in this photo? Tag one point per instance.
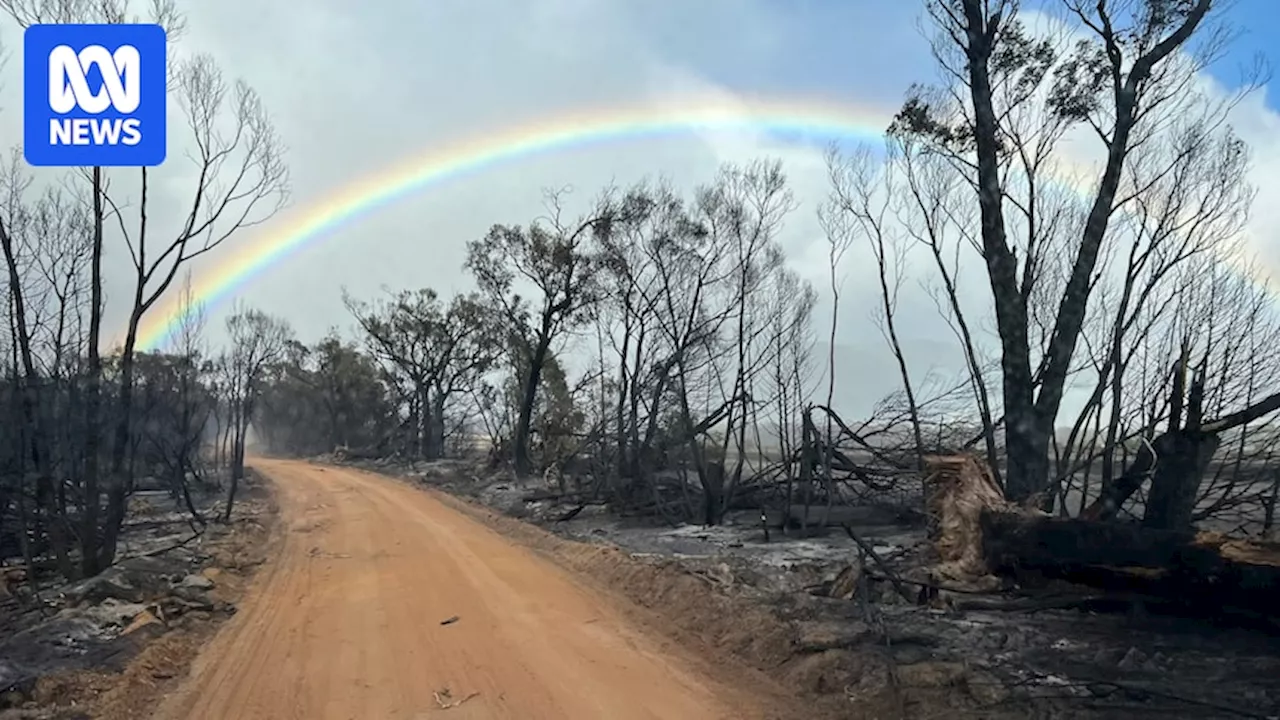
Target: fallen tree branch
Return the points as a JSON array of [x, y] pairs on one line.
[[1140, 690], [571, 514], [442, 699], [870, 552], [1028, 604], [163, 550]]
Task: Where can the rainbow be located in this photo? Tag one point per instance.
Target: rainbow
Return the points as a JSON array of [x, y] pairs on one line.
[[797, 117]]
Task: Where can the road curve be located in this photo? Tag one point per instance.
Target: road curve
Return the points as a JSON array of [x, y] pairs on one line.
[[345, 622]]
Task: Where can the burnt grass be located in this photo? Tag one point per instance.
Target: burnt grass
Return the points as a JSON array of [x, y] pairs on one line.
[[67, 646], [1016, 652]]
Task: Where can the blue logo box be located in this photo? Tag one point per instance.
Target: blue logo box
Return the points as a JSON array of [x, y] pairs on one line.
[[94, 95]]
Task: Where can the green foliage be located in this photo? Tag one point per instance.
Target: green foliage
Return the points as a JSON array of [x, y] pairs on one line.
[[324, 396], [432, 353], [555, 263], [1026, 68], [1078, 82], [558, 421]]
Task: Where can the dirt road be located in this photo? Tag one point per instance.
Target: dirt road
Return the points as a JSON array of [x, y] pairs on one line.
[[347, 622]]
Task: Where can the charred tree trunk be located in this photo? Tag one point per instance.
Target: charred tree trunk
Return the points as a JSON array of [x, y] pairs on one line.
[[184, 466], [1175, 485], [1025, 449], [808, 463], [435, 425], [89, 542], [422, 421], [1129, 558], [1176, 460], [1029, 414], [119, 479], [529, 396], [33, 415], [237, 457], [713, 494], [121, 476]]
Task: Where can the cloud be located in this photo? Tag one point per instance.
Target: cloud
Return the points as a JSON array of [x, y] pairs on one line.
[[354, 91], [1248, 114], [360, 93]]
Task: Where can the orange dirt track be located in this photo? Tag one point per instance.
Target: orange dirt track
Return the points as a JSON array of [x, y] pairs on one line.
[[345, 623]]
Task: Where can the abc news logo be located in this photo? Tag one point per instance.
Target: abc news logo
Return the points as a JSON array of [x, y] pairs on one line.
[[94, 95], [69, 89]]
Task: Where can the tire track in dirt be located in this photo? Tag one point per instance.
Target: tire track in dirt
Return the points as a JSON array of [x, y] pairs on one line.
[[346, 623]]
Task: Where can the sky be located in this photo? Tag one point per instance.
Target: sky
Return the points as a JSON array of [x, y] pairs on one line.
[[355, 89]]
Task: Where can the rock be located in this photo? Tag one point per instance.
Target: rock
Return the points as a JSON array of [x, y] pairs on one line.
[[825, 672], [196, 582], [112, 613], [911, 654], [133, 580], [198, 603], [1108, 656], [870, 680], [995, 640], [13, 697], [1101, 690], [1134, 659], [190, 595], [722, 574], [144, 571], [143, 619], [889, 596], [1158, 662], [107, 586], [173, 607]]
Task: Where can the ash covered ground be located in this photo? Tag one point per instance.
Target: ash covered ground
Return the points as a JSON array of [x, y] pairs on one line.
[[70, 650]]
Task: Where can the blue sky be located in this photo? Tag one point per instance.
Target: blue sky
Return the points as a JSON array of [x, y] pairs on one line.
[[1258, 23], [867, 51]]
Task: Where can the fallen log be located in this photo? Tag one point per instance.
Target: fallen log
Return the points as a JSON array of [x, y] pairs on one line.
[[1202, 571]]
